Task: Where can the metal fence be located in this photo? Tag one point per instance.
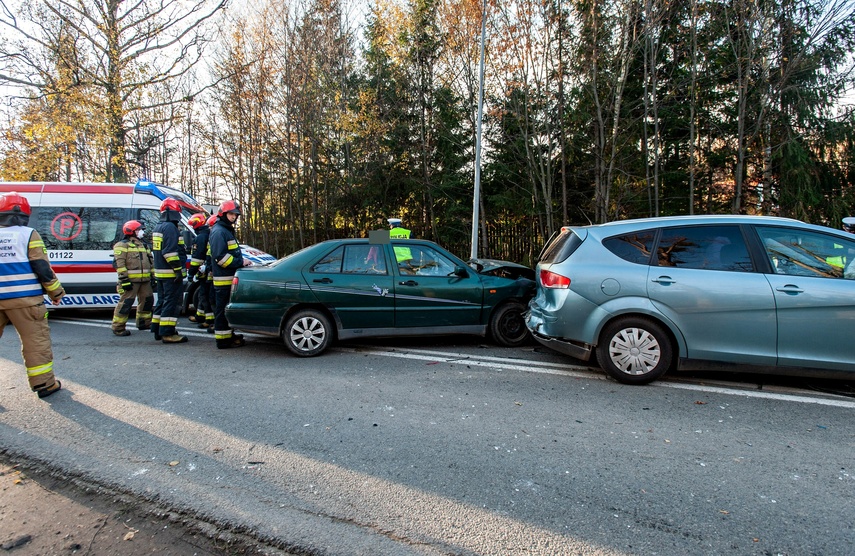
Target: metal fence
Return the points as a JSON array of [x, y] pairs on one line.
[[517, 242]]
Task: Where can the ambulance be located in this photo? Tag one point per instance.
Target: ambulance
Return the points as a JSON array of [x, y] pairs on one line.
[[80, 223]]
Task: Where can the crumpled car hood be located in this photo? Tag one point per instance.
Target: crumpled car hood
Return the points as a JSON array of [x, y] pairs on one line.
[[504, 269]]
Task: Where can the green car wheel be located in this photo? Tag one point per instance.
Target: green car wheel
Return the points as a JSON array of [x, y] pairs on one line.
[[507, 325], [307, 333]]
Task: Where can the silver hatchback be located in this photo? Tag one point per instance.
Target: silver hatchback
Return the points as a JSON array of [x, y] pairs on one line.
[[739, 293]]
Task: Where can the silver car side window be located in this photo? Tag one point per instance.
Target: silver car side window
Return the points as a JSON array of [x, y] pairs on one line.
[[805, 253], [719, 247], [634, 247]]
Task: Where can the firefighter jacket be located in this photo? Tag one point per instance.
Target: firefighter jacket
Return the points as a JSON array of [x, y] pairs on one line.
[[200, 252], [170, 256], [25, 271], [226, 256], [132, 260]]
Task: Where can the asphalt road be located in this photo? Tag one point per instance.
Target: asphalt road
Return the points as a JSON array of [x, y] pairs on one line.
[[451, 447]]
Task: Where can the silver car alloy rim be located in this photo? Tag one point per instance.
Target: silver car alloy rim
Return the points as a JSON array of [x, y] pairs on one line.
[[307, 333], [634, 351]]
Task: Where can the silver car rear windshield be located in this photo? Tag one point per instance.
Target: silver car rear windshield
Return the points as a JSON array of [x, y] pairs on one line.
[[561, 247]]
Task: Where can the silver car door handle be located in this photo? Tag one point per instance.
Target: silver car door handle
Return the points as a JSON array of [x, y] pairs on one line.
[[790, 288], [408, 283], [664, 280]]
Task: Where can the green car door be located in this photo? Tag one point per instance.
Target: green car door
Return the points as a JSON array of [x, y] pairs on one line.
[[428, 290], [354, 281]]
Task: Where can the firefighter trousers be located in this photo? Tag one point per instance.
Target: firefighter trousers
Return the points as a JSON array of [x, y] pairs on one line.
[[205, 307], [170, 307], [222, 329], [32, 326], [141, 291]]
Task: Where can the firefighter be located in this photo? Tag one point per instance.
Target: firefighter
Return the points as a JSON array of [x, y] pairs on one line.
[[25, 277], [209, 276], [226, 258], [133, 262], [170, 260], [204, 316]]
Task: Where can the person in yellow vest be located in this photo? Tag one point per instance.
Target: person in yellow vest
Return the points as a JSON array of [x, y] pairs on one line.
[[133, 262], [397, 231], [840, 261], [25, 277]]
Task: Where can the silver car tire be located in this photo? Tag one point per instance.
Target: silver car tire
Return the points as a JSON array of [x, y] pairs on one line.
[[307, 333], [635, 350]]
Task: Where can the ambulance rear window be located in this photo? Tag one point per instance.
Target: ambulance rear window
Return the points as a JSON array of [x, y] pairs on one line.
[[79, 228]]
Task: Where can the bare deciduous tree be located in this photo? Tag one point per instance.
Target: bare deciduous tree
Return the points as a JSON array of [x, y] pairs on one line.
[[123, 49]]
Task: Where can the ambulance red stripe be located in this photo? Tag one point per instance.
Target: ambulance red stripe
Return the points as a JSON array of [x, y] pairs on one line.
[[78, 268], [104, 189]]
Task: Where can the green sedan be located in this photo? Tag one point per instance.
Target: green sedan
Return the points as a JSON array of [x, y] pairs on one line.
[[357, 288]]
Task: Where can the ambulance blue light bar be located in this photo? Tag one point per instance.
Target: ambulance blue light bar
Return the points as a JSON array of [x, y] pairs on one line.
[[162, 192]]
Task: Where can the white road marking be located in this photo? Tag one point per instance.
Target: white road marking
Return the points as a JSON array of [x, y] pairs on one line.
[[541, 367]]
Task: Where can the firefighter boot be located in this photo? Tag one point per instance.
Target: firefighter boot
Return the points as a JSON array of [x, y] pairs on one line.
[[174, 339], [122, 332], [45, 392], [232, 342]]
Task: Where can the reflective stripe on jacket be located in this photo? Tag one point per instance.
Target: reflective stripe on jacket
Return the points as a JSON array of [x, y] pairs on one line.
[[200, 250], [401, 253], [132, 260], [226, 256], [170, 257], [25, 271], [17, 278]]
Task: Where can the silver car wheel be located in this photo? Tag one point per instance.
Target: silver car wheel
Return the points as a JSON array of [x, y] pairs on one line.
[[307, 333], [634, 351]]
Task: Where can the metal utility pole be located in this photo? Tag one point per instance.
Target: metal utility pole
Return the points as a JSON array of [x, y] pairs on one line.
[[476, 196]]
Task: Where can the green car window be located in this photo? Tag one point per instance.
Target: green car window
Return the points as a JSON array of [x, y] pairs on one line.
[[426, 262], [364, 259], [331, 263], [353, 259]]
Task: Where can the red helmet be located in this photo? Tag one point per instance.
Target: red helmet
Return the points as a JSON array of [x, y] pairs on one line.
[[131, 227], [197, 220], [170, 204], [212, 220], [229, 206], [14, 203]]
